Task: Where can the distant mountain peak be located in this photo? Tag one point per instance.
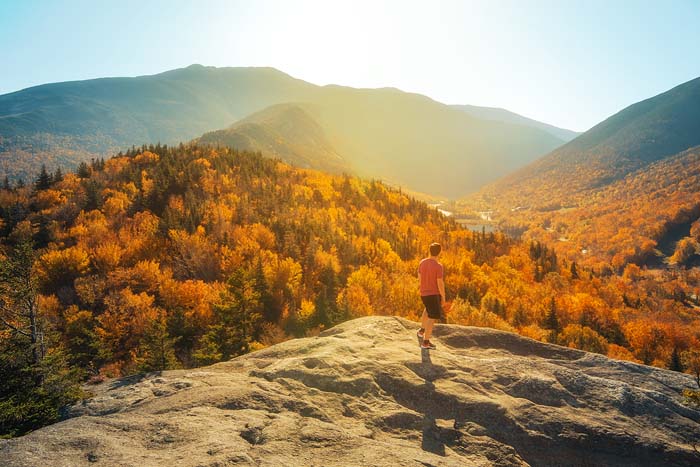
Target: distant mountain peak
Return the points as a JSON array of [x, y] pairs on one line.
[[405, 138]]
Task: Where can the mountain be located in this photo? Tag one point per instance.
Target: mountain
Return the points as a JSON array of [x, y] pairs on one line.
[[284, 131], [503, 115], [404, 138], [82, 119], [624, 191], [363, 393], [630, 140], [641, 218], [413, 141]]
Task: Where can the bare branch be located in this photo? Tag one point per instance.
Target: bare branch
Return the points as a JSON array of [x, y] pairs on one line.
[[15, 328]]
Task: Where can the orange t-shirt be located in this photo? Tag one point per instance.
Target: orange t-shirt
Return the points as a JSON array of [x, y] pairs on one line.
[[430, 271]]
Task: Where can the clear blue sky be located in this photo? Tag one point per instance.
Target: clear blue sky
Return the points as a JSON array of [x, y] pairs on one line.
[[568, 63]]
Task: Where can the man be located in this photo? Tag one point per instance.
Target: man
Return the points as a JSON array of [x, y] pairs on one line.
[[432, 292]]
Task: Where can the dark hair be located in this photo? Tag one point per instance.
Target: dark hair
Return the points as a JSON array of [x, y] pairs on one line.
[[435, 249]]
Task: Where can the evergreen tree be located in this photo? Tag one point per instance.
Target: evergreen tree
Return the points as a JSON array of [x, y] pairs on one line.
[[157, 348], [551, 321], [43, 233], [44, 180], [327, 313], [83, 170], [519, 318], [270, 312], [238, 317], [574, 270], [93, 195], [18, 298], [210, 346], [676, 363], [58, 175], [35, 385]]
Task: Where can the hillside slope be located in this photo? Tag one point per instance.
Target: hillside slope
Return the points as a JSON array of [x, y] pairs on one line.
[[284, 131], [167, 106], [413, 141], [503, 115], [405, 138], [363, 393], [639, 219], [630, 140]]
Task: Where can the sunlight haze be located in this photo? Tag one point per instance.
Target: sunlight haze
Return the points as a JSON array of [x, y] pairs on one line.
[[564, 64]]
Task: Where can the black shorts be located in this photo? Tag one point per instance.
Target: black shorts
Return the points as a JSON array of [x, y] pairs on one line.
[[432, 306]]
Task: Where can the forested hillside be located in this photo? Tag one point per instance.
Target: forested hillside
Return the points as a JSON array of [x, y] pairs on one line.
[[168, 257], [284, 131], [649, 218], [639, 135], [625, 191]]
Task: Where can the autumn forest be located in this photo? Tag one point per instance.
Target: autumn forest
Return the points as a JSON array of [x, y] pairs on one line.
[[177, 257]]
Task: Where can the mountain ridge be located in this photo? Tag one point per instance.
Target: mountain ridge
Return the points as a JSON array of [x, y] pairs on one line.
[[286, 131], [505, 115], [380, 132], [647, 131]]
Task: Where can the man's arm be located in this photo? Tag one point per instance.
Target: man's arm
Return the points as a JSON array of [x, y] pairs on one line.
[[441, 288]]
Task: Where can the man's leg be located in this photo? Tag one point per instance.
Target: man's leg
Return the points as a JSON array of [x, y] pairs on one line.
[[424, 319], [428, 327]]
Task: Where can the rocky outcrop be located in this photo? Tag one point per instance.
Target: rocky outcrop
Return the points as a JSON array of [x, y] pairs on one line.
[[364, 394]]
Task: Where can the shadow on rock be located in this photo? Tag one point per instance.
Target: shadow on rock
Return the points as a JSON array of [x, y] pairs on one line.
[[432, 440]]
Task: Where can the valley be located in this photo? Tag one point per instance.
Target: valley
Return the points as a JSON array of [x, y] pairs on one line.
[[332, 234], [629, 192]]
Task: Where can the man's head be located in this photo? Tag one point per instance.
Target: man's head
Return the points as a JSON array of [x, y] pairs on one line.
[[435, 249]]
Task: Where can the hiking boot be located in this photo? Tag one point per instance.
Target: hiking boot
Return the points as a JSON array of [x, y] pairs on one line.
[[427, 345], [420, 333]]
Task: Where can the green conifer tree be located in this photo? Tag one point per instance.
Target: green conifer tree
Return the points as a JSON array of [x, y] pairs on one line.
[[157, 348], [551, 321], [44, 180]]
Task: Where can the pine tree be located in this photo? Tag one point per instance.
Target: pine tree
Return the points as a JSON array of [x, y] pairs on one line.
[[35, 384], [157, 348], [574, 270], [238, 318], [676, 364], [551, 321], [519, 318], [19, 298], [270, 312], [83, 170], [43, 234], [93, 196], [58, 175], [327, 312], [44, 180]]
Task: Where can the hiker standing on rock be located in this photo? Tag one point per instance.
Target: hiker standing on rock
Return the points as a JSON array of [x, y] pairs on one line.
[[432, 292]]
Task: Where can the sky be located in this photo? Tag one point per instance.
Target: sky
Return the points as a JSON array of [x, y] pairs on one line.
[[568, 63]]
